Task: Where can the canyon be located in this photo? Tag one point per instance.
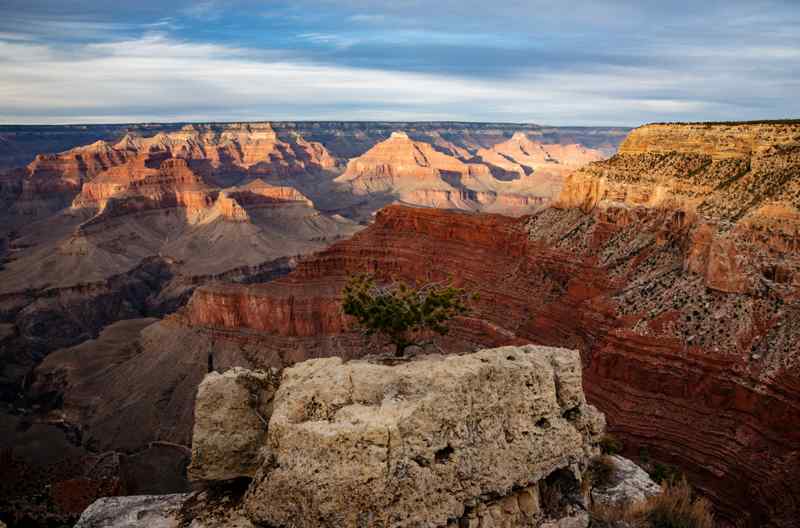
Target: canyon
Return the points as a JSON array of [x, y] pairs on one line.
[[100, 241], [108, 232], [112, 230], [673, 267]]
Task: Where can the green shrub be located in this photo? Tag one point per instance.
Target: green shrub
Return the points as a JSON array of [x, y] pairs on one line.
[[665, 473], [610, 445], [403, 314]]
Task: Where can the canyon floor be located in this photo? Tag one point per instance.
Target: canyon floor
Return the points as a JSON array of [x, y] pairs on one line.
[[135, 264]]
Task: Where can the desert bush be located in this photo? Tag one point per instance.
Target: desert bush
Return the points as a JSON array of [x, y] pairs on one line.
[[613, 516], [610, 445], [675, 507], [665, 473], [401, 313]]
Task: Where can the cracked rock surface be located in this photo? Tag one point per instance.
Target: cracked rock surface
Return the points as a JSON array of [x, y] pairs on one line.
[[422, 442]]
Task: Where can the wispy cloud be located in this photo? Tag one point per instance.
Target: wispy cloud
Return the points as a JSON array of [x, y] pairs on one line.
[[602, 61], [157, 77], [341, 42]]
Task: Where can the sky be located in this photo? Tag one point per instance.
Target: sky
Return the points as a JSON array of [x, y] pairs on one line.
[[602, 62]]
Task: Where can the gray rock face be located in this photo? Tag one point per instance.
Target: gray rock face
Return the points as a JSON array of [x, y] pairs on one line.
[[628, 484], [230, 423], [153, 511], [185, 510], [421, 442]]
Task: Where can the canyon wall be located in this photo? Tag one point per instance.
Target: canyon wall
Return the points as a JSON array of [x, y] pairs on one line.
[[675, 269], [345, 139], [515, 176]]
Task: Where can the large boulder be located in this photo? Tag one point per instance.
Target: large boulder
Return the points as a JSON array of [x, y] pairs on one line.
[[496, 438], [627, 484], [423, 442], [230, 423]]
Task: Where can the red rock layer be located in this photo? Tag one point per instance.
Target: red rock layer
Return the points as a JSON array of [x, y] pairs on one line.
[[220, 157], [238, 149]]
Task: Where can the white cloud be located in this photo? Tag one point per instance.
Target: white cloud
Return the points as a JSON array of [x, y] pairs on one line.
[[156, 78], [337, 41]]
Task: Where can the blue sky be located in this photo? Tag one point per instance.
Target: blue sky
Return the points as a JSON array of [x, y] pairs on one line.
[[565, 63]]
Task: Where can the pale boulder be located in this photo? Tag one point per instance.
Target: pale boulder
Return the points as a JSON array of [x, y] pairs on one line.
[[231, 415], [423, 442]]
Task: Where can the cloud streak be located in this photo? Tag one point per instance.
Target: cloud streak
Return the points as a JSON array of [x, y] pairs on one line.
[[614, 63]]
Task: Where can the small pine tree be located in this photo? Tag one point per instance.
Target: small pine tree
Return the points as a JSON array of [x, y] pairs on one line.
[[402, 313]]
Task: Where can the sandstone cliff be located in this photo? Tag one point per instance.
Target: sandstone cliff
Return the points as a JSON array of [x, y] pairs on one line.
[[514, 176]]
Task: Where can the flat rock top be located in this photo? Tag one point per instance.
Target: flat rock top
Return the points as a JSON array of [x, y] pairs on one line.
[[717, 140]]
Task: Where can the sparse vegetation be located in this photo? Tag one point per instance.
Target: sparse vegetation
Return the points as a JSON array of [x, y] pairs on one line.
[[675, 507], [665, 473], [611, 445], [405, 315]]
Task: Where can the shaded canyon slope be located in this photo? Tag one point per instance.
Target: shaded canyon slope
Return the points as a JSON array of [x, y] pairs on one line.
[[674, 267], [109, 232]]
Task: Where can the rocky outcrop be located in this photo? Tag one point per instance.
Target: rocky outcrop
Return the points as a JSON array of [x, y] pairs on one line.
[[160, 511], [418, 443], [434, 441], [164, 511], [626, 484], [230, 417]]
